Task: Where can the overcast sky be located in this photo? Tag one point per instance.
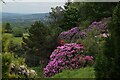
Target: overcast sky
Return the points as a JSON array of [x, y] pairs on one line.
[[34, 6], [31, 6]]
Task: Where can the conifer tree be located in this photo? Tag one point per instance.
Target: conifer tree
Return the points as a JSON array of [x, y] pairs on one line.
[[107, 63], [35, 44]]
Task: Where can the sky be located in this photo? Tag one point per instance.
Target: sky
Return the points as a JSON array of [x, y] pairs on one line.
[[34, 6], [31, 6]]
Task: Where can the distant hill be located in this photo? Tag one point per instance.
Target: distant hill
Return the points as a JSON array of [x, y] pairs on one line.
[[23, 20], [5, 14], [14, 17]]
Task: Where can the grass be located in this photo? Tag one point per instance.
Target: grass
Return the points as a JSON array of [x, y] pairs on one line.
[[87, 72], [39, 71]]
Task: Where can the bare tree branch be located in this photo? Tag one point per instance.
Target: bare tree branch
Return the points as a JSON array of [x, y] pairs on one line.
[[3, 1]]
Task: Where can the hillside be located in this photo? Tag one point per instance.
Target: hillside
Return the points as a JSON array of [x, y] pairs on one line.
[[14, 17], [23, 20], [78, 40]]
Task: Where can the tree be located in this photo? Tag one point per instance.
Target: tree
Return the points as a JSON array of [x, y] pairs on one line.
[[71, 16], [3, 1], [55, 18], [35, 44], [115, 30], [7, 28], [80, 14], [107, 63]]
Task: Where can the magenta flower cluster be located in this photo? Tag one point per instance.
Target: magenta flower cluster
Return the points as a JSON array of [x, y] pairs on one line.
[[66, 57]]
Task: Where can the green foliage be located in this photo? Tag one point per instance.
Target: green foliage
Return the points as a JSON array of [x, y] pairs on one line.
[[7, 28], [39, 43], [87, 72], [18, 32], [52, 37], [14, 47], [6, 38], [84, 24], [39, 71], [92, 43], [41, 40], [11, 44], [6, 60], [111, 51], [97, 11], [55, 17], [80, 14], [71, 16], [35, 44], [12, 65], [103, 66]]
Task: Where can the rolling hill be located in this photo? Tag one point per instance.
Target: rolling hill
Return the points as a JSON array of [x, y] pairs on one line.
[[22, 20], [14, 17]]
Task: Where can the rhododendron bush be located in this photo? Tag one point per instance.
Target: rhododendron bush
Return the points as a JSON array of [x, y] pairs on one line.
[[75, 33], [68, 56]]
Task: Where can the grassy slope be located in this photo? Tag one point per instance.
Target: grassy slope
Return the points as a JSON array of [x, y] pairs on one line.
[[87, 72]]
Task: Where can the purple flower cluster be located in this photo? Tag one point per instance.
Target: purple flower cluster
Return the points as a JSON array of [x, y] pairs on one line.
[[70, 33], [89, 58], [66, 57], [101, 26]]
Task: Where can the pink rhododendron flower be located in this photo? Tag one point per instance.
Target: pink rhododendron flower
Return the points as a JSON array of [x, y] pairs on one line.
[[66, 57]]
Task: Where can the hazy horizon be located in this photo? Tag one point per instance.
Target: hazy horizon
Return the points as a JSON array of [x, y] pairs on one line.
[[23, 13]]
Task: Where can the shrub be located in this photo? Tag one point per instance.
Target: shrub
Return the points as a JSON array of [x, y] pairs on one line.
[[93, 37], [10, 44], [15, 67], [75, 33], [6, 38], [67, 35], [93, 44], [14, 47], [68, 56]]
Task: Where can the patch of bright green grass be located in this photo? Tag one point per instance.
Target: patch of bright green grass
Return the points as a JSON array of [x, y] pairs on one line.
[[87, 72]]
